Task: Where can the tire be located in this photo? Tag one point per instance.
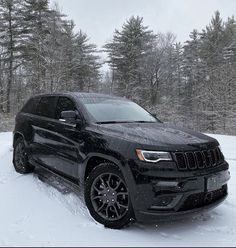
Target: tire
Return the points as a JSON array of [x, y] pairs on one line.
[[110, 205], [20, 158]]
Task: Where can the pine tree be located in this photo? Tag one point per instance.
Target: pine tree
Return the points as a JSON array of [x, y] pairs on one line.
[[11, 35], [54, 46], [194, 71], [36, 19], [86, 62], [127, 52]]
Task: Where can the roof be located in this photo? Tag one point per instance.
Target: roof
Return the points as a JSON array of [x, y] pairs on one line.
[[83, 95], [92, 95]]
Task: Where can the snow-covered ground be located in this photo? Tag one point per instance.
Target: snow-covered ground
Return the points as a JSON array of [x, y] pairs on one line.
[[37, 213]]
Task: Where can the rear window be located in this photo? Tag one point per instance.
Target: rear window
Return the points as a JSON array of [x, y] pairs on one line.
[[31, 106], [47, 107]]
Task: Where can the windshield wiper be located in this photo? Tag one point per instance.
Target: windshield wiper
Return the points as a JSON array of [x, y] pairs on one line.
[[114, 122], [111, 122], [143, 121]]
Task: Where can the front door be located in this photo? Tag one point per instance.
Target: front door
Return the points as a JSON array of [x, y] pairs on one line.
[[68, 141]]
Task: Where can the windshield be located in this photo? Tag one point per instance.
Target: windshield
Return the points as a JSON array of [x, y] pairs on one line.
[[116, 110]]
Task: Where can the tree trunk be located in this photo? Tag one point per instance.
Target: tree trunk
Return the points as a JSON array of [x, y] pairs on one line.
[[10, 69], [1, 88]]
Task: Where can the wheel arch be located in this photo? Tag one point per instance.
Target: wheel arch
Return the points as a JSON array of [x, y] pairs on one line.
[[95, 159], [16, 136]]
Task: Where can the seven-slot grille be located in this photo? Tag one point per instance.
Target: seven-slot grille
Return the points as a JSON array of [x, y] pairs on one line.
[[198, 159]]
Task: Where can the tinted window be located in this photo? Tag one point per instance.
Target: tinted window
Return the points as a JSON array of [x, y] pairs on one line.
[[46, 106], [64, 104], [31, 106], [116, 110]]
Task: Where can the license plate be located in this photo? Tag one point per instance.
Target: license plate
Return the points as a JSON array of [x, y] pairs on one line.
[[217, 181]]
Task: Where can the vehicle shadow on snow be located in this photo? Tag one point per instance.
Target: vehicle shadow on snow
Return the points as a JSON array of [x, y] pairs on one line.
[[77, 206]]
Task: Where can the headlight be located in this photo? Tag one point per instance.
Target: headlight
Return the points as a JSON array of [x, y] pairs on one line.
[[153, 156]]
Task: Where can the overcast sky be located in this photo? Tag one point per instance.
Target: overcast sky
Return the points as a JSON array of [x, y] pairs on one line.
[[99, 18]]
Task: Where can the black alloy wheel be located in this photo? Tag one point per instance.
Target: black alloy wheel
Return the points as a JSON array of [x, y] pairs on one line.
[[20, 158], [107, 197]]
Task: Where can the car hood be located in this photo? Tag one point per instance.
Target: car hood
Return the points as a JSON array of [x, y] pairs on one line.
[[159, 135]]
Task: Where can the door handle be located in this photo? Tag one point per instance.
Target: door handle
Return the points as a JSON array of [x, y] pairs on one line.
[[51, 125], [69, 128]]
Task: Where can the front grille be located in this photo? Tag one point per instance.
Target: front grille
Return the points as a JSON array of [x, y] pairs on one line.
[[198, 159], [204, 198]]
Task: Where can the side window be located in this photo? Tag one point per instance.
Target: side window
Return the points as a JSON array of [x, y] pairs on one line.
[[46, 107], [64, 104], [31, 106]]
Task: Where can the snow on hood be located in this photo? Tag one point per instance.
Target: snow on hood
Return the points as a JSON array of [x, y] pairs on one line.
[[156, 134]]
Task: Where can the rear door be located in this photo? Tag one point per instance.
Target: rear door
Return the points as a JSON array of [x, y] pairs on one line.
[[44, 133], [24, 119]]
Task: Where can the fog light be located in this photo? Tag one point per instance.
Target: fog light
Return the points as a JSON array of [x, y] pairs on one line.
[[163, 201], [166, 202]]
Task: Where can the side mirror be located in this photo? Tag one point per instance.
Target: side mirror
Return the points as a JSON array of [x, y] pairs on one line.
[[70, 117]]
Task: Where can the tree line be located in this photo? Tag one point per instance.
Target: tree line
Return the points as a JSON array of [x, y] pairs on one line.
[[191, 84], [41, 52]]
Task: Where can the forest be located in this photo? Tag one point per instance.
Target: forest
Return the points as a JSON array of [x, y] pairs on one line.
[[190, 84]]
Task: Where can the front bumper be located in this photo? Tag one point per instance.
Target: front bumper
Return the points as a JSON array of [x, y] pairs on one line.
[[173, 195], [153, 216]]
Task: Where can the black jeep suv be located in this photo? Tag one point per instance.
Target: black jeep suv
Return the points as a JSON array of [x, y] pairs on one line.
[[132, 166]]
